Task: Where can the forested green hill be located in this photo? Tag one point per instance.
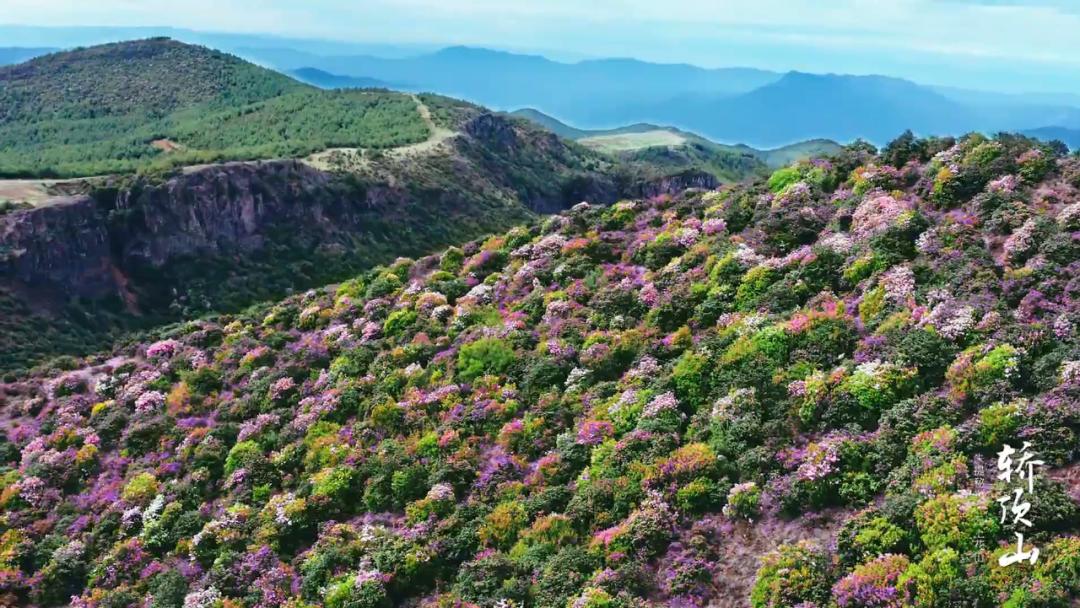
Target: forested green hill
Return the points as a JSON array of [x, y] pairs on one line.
[[157, 103]]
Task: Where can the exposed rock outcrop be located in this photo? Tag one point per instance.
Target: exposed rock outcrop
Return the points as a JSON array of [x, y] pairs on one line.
[[63, 245], [221, 237], [687, 180], [228, 209], [73, 246]]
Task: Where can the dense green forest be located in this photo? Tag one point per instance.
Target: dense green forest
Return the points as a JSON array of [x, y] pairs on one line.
[[159, 103]]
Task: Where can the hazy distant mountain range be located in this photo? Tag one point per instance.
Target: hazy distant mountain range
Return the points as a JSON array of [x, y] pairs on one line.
[[591, 92], [326, 80], [1071, 137], [760, 108], [9, 55]]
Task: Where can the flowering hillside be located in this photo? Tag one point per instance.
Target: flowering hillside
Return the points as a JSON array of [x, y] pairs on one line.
[[791, 393]]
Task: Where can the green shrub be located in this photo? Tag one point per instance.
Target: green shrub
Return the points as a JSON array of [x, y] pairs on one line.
[[699, 496], [753, 287], [563, 576], [244, 455], [961, 522], [877, 386], [64, 576], [997, 425], [501, 526], [782, 179], [408, 484], [981, 372], [868, 535], [398, 322], [930, 582], [593, 597], [387, 416], [334, 483], [452, 260], [490, 578], [922, 349], [1059, 564], [690, 377], [383, 285], [202, 381], [484, 356], [1035, 166], [791, 575], [168, 590], [872, 584], [543, 538], [348, 593], [141, 488], [743, 501]]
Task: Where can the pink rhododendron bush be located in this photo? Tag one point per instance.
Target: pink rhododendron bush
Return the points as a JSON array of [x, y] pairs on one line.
[[600, 410]]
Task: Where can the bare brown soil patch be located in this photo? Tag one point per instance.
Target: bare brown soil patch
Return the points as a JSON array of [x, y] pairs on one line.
[[166, 145]]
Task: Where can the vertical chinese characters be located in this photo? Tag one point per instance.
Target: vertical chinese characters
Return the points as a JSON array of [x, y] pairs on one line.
[[1020, 473]]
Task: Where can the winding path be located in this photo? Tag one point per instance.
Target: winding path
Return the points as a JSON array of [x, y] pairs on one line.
[[437, 135], [38, 192]]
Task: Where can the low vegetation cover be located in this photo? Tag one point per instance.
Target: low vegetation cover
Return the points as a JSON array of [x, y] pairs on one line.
[[729, 165], [158, 103], [598, 411], [671, 149]]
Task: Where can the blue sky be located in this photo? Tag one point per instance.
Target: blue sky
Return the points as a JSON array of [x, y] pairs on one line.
[[1006, 45]]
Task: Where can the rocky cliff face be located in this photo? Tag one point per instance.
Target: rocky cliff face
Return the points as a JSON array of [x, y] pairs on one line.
[[687, 180], [232, 209], [63, 245], [511, 152], [84, 246], [224, 236], [219, 238]]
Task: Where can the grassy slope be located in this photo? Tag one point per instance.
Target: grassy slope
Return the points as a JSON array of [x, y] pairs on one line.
[[675, 149], [727, 165], [564, 130], [100, 110], [620, 142], [815, 148]]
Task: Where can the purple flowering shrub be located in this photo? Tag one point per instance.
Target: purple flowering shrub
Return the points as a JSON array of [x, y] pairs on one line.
[[873, 584], [637, 405]]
